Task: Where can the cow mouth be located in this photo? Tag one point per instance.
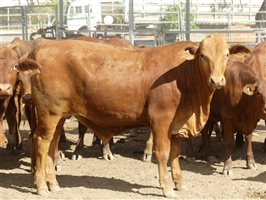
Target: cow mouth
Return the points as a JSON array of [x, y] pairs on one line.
[[4, 96], [4, 146], [26, 99]]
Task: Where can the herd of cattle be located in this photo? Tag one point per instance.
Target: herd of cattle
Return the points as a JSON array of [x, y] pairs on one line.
[[176, 90]]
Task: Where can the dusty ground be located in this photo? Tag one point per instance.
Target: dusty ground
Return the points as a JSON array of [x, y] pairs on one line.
[[127, 177]]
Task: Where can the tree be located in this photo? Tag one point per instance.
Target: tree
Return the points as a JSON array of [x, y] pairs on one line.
[[173, 15]]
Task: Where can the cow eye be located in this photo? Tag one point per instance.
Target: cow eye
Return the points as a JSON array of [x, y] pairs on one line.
[[227, 55]]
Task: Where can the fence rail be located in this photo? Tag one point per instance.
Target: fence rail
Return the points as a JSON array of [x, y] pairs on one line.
[[144, 21]]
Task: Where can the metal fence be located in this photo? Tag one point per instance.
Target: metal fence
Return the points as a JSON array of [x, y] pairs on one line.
[[145, 22]]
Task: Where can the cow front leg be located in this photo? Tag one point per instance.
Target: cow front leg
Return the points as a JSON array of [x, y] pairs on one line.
[[251, 164], [174, 160], [162, 151], [229, 143], [106, 149], [190, 156], [205, 147], [147, 155]]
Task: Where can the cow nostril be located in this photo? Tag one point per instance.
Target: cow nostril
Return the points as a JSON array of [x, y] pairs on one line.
[[212, 81]]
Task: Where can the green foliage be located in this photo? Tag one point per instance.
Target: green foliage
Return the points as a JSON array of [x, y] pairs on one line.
[[219, 6], [172, 21]]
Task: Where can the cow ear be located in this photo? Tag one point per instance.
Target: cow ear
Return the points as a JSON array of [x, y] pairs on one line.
[[238, 48], [28, 67], [189, 53], [250, 89]]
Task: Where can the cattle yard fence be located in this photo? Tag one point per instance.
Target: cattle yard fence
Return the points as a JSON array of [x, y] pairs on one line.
[[149, 22]]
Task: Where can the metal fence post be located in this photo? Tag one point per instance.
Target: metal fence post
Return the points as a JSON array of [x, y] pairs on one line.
[[24, 22], [58, 32], [131, 21], [61, 18], [187, 19]]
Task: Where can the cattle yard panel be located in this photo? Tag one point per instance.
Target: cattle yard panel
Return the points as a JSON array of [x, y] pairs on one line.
[[149, 22], [21, 21]]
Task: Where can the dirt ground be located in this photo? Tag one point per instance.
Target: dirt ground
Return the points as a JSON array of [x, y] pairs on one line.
[[127, 177]]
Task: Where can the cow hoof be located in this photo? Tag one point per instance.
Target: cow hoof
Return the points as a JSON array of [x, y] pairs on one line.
[[170, 194], [182, 188], [147, 157], [43, 192], [108, 157], [54, 188], [62, 155], [227, 172], [79, 157], [76, 157], [58, 168], [252, 166]]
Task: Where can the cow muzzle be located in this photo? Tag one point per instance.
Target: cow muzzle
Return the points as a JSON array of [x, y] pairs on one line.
[[217, 82], [6, 90], [26, 98]]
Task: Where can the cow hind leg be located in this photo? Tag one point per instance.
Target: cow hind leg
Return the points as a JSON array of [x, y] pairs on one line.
[[45, 144], [251, 164], [79, 150], [53, 158], [147, 155]]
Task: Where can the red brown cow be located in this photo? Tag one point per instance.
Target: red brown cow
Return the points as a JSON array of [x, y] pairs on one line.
[[113, 41], [239, 106], [8, 60], [109, 89], [9, 89], [237, 53], [14, 105], [23, 47], [257, 61]]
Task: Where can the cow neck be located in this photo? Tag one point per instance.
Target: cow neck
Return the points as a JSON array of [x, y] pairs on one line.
[[200, 80], [202, 91]]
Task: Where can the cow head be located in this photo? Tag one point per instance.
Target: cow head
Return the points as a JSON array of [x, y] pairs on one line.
[[213, 54], [258, 88], [26, 69], [8, 59], [239, 53]]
